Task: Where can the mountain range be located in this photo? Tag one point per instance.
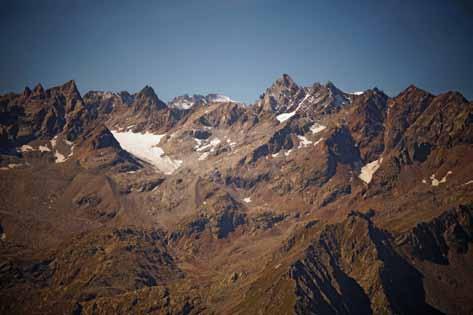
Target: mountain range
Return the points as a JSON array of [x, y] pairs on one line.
[[309, 201]]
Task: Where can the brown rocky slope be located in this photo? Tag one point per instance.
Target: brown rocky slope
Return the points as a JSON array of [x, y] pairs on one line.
[[310, 201]]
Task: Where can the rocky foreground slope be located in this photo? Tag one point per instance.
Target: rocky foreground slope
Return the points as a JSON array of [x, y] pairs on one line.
[[310, 201]]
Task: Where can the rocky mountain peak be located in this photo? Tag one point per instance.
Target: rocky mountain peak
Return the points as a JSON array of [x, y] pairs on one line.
[[26, 92], [147, 91], [148, 98], [256, 200], [283, 94], [286, 81], [331, 86], [412, 92], [70, 87], [38, 90], [283, 85]]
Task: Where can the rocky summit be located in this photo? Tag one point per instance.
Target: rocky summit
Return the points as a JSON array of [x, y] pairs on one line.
[[312, 200]]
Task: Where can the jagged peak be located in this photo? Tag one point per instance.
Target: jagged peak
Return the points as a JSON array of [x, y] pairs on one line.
[[413, 89], [333, 88], [148, 95], [147, 91], [70, 86], [26, 91], [38, 89], [283, 85], [69, 89], [285, 80]]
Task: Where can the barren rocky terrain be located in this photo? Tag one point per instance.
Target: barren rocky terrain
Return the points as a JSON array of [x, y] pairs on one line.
[[312, 200]]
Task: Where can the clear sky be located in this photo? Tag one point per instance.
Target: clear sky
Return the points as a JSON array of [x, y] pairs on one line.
[[236, 47]]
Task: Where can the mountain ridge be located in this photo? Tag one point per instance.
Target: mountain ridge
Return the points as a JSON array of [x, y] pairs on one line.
[[309, 201]]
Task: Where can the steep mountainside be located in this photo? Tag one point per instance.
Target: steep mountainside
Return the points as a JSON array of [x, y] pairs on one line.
[[310, 201]]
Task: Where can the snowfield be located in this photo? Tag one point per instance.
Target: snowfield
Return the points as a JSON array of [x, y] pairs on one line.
[[285, 116], [145, 147], [369, 169], [357, 93]]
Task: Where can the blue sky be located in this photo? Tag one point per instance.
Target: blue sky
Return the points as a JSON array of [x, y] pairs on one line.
[[236, 47]]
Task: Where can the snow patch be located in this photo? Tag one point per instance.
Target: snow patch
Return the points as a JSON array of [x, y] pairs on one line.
[[369, 169], [145, 147], [59, 157], [304, 142], [316, 128], [26, 148], [468, 183], [44, 148], [247, 199], [357, 93], [184, 104], [436, 182], [287, 152], [209, 145], [285, 116], [199, 143]]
